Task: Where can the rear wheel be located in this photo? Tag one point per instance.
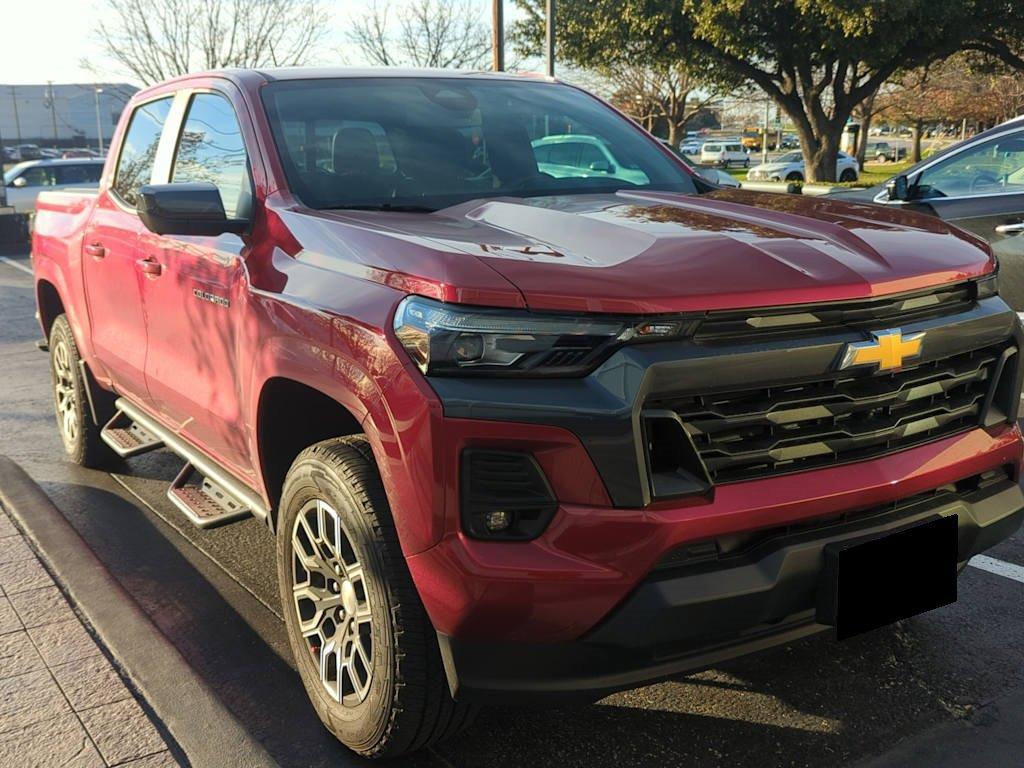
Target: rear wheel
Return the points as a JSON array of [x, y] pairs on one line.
[[364, 647], [848, 175], [79, 433]]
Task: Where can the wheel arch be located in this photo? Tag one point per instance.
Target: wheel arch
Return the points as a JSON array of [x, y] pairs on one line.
[[292, 415], [49, 303]]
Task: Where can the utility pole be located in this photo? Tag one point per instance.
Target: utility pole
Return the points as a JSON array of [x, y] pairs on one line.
[[99, 125], [17, 121], [549, 45], [498, 34], [53, 108]]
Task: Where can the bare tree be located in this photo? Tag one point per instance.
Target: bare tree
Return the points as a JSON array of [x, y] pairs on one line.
[[447, 34], [157, 39], [666, 94]]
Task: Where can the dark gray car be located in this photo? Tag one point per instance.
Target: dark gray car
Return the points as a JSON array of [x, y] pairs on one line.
[[977, 185]]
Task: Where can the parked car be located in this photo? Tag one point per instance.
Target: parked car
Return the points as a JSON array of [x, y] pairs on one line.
[[78, 153], [883, 151], [789, 142], [520, 435], [691, 146], [978, 185], [49, 153], [26, 180], [724, 154], [27, 152], [579, 156], [790, 167]]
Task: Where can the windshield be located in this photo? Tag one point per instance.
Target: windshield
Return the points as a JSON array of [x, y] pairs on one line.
[[791, 157], [428, 143], [12, 174]]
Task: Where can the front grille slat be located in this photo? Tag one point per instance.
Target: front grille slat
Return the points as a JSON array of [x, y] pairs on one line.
[[773, 429], [776, 322]]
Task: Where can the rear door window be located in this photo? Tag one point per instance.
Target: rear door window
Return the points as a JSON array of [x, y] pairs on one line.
[[211, 149], [79, 173], [39, 176], [138, 152]]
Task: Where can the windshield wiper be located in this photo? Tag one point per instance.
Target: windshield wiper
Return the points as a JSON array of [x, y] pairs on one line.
[[385, 207]]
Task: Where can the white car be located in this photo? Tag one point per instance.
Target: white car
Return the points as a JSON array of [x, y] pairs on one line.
[[691, 146], [790, 167], [25, 181], [724, 154]]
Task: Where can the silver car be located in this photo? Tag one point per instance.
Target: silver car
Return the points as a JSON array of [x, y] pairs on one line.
[[25, 181]]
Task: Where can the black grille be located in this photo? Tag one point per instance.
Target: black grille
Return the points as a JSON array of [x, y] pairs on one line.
[[771, 430], [796, 320]]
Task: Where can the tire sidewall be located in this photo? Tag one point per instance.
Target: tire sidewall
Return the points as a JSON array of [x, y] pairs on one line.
[[61, 333], [360, 726]]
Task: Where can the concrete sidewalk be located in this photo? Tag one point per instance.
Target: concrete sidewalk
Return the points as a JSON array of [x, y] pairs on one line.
[[62, 703]]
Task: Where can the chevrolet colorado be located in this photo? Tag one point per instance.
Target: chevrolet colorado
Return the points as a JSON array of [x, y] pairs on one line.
[[520, 434]]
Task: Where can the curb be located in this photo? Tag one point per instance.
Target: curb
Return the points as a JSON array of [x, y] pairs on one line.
[[206, 731]]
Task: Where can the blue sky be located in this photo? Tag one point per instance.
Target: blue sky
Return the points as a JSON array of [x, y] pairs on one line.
[[47, 39]]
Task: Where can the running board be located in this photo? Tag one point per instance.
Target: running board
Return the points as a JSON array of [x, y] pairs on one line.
[[127, 437], [214, 476], [204, 503]]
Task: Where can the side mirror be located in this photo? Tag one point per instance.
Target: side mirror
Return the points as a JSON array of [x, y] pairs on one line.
[[185, 209], [898, 188], [603, 166], [20, 182]]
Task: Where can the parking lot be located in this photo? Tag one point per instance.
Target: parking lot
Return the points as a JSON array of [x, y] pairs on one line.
[[933, 689]]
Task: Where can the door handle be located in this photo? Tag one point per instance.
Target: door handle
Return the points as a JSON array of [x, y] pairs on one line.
[[150, 267], [1010, 229], [95, 250]]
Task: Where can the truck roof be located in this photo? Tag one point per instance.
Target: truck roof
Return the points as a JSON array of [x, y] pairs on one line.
[[255, 77]]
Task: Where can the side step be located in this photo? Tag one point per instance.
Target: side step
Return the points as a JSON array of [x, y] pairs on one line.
[[129, 438], [203, 502], [204, 491]]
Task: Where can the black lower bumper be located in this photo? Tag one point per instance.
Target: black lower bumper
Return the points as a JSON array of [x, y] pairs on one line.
[[690, 617]]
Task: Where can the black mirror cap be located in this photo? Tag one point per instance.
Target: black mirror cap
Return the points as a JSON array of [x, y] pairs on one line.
[[185, 209], [898, 188]]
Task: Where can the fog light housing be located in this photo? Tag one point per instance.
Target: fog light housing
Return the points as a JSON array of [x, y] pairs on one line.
[[505, 495]]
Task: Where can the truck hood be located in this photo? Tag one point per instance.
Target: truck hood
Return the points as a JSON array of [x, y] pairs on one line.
[[640, 252]]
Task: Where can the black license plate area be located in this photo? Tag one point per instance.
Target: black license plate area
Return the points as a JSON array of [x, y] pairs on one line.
[[875, 581]]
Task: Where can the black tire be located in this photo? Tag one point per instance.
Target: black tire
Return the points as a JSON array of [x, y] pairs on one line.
[[848, 175], [407, 704], [794, 176], [746, 163], [79, 434]]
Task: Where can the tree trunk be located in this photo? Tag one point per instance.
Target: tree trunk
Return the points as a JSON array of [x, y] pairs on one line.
[[673, 133], [915, 150]]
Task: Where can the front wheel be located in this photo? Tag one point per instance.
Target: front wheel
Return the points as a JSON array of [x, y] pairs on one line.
[[365, 649], [848, 175]]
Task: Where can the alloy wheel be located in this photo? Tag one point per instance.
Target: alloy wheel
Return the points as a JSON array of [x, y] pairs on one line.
[[332, 602], [64, 392]]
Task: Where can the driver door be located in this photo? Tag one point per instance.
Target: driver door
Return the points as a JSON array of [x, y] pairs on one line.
[[981, 189]]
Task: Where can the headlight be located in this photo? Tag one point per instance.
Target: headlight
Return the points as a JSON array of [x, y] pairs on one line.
[[448, 339], [987, 286]]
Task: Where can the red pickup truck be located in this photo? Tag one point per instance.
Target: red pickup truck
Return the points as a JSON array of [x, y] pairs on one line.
[[527, 422]]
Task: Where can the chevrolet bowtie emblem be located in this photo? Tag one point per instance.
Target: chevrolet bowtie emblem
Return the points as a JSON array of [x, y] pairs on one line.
[[888, 350]]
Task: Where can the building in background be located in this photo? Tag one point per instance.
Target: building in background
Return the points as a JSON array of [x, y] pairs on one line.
[[64, 115]]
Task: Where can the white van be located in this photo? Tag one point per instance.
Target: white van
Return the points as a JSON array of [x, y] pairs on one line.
[[724, 154]]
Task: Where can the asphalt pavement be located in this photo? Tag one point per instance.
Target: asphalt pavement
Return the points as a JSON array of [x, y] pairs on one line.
[[945, 684]]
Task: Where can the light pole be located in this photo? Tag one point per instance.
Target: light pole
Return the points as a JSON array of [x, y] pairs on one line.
[[53, 109], [549, 46], [99, 124], [498, 32]]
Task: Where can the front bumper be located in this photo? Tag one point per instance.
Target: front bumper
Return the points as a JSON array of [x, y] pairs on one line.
[[683, 618]]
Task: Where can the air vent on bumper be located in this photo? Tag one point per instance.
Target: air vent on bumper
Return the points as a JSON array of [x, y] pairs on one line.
[[505, 495]]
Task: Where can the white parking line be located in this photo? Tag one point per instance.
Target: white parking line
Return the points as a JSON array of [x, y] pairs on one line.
[[998, 567], [16, 264]]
